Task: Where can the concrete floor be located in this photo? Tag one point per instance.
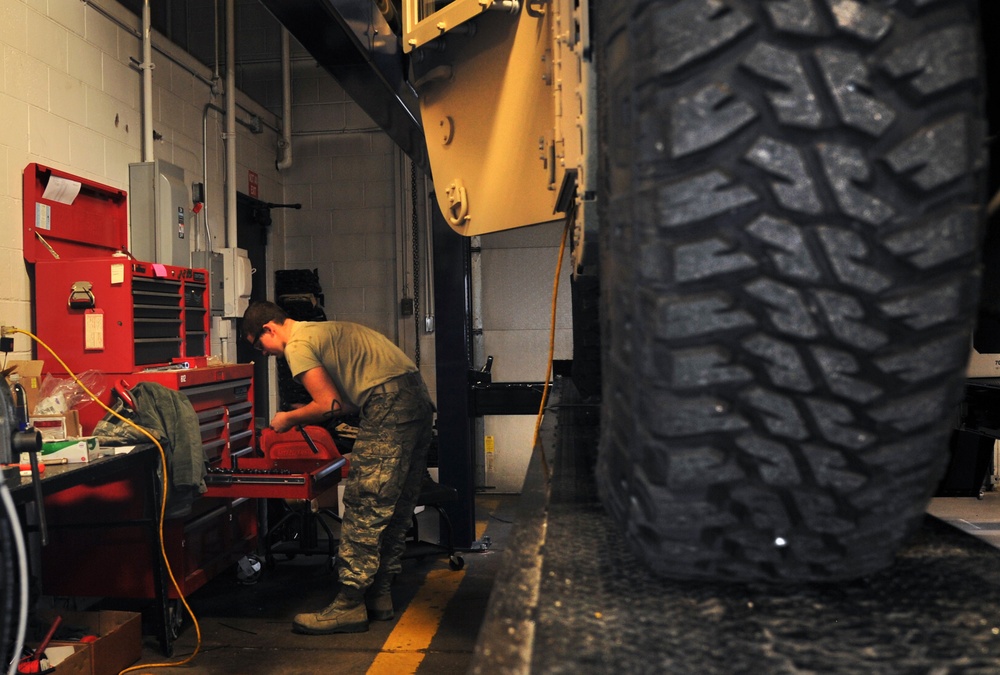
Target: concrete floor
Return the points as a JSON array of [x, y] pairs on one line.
[[978, 517], [247, 628]]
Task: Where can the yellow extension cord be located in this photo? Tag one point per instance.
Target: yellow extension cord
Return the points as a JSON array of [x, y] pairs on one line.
[[552, 348], [163, 504]]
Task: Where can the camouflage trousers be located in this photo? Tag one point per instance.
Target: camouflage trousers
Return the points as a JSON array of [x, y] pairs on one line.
[[387, 465]]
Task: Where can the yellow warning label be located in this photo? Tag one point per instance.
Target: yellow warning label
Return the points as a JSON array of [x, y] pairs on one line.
[[488, 443]]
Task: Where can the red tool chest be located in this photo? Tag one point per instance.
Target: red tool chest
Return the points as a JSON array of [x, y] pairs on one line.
[[131, 315], [221, 528], [116, 562], [294, 478], [222, 397], [99, 309]]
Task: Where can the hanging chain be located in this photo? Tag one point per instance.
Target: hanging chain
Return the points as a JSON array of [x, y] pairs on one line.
[[414, 235]]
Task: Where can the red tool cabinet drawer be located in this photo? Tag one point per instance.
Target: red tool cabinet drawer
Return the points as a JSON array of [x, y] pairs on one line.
[[265, 478]]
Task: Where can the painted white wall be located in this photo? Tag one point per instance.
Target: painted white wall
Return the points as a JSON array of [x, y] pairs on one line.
[[518, 270], [344, 175]]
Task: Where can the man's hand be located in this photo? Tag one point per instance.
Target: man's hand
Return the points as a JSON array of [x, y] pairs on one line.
[[281, 422]]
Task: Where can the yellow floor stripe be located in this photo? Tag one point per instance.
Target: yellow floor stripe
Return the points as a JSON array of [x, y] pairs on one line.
[[406, 646]]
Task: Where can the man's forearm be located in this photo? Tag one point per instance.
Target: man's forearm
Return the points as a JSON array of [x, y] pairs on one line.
[[311, 413]]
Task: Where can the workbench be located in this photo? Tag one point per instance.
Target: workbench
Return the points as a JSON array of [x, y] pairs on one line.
[[141, 462]]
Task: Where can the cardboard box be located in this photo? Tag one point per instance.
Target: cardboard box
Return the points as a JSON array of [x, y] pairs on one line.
[[79, 661], [58, 427], [73, 451], [119, 637], [29, 374], [983, 365]]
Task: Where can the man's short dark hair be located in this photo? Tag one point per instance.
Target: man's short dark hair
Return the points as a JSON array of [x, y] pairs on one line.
[[258, 314]]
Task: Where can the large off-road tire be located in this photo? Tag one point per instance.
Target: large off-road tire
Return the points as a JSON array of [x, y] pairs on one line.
[[791, 214]]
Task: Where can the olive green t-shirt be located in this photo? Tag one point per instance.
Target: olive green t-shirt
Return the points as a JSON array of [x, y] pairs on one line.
[[356, 357]]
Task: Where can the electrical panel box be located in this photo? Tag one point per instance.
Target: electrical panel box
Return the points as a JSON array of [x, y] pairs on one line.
[[159, 209], [238, 281], [212, 261]]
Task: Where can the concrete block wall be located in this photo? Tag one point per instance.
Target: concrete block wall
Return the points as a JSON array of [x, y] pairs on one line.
[[345, 176], [72, 100]]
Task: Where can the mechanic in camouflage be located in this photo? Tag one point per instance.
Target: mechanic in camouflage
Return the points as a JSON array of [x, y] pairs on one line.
[[350, 369]]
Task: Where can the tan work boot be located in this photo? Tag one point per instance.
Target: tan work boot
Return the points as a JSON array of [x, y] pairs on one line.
[[346, 614], [378, 599]]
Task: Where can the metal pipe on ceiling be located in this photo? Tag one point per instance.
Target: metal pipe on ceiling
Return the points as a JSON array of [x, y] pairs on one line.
[[285, 144], [147, 86]]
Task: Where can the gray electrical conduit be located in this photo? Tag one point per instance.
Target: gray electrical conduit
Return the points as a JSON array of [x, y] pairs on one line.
[[204, 161]]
